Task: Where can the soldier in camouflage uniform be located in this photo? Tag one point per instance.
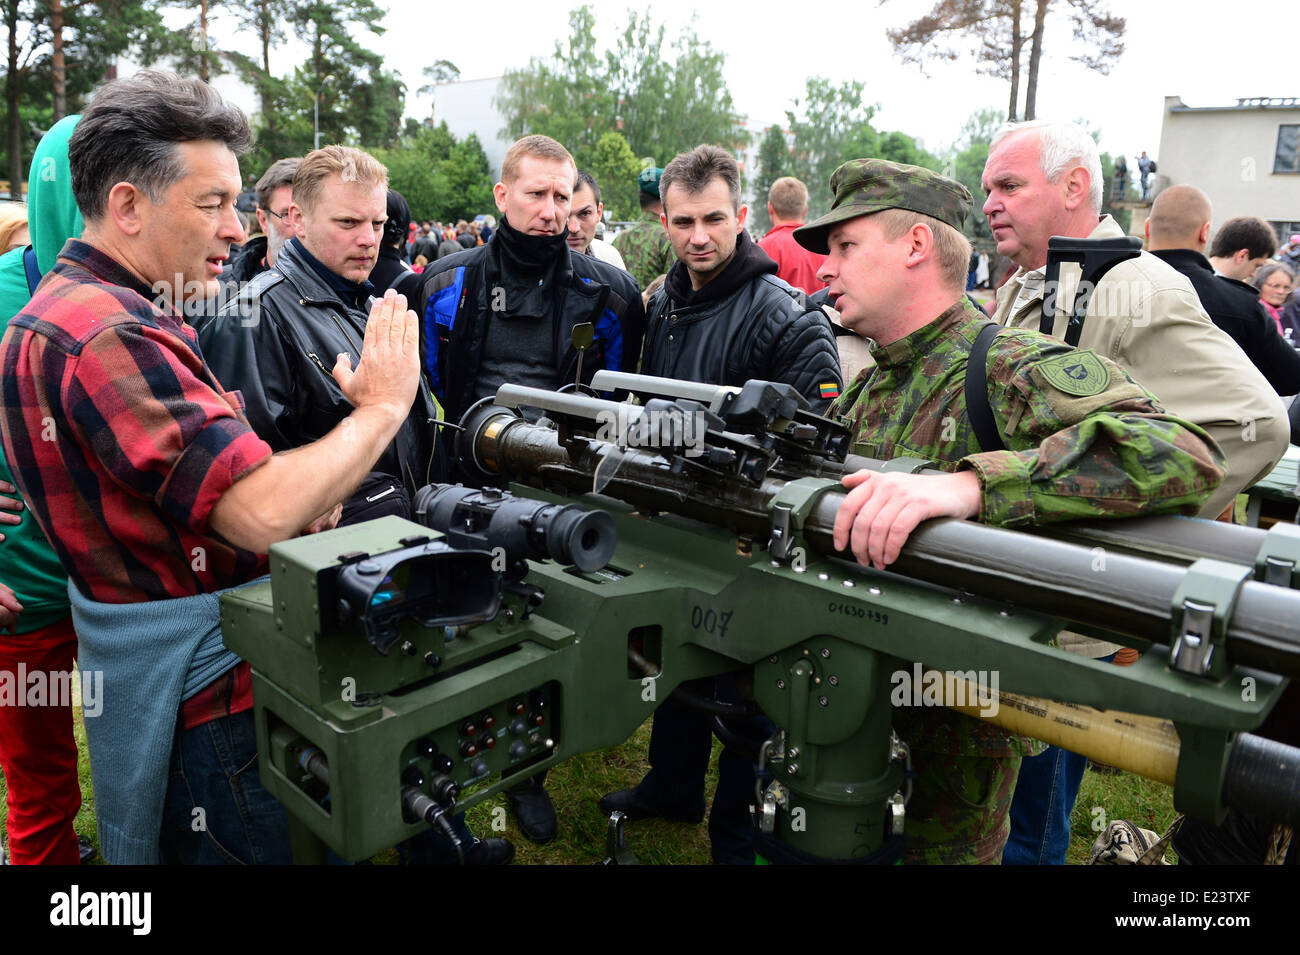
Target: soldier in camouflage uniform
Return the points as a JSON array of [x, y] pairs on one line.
[[1084, 440], [645, 248]]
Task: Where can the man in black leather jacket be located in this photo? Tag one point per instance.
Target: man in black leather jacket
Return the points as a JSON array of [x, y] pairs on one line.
[[278, 339], [723, 318]]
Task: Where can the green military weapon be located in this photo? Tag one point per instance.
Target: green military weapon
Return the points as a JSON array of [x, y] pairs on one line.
[[722, 501]]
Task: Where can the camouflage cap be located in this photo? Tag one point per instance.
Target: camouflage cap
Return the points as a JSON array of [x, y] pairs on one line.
[[864, 186], [649, 180]]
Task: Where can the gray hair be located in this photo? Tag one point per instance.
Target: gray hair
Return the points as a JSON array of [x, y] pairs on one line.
[[1062, 146], [130, 131], [1263, 273], [280, 173]]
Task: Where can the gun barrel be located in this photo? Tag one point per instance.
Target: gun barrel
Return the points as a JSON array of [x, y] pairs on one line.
[[1127, 595]]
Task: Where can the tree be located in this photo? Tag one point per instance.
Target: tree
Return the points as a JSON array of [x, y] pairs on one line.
[[442, 71], [668, 107], [265, 20], [337, 64], [58, 51], [440, 177], [198, 51], [342, 79], [966, 164], [615, 168], [998, 29], [773, 163], [464, 182], [831, 125], [663, 102]]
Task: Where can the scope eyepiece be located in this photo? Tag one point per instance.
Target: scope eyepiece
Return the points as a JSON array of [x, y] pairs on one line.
[[490, 518]]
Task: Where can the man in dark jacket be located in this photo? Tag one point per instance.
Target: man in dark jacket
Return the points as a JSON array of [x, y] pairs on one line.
[[276, 341], [723, 318], [505, 311], [274, 194], [1178, 232]]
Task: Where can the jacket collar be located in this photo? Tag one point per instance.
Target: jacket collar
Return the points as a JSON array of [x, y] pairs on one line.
[[1189, 258], [921, 342], [1027, 284], [301, 271]]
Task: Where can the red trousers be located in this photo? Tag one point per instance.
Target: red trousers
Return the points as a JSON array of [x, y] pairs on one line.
[[37, 750]]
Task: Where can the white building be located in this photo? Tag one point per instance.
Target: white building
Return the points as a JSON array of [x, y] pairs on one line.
[[1245, 157], [466, 107]]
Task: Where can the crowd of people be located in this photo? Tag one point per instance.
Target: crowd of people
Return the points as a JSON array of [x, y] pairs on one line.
[[177, 397]]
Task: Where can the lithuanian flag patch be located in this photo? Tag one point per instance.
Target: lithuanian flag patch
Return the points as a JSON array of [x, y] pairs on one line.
[[829, 389]]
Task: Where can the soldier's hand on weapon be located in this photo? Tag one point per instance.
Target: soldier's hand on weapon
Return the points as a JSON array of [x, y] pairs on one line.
[[14, 503], [881, 510], [10, 608], [388, 372], [327, 521]]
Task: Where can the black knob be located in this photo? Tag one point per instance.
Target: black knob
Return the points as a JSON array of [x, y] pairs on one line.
[[467, 728], [444, 788], [412, 776], [426, 747], [443, 763], [487, 741], [468, 749]]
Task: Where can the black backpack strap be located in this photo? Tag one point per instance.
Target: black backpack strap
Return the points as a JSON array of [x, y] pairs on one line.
[[977, 391]]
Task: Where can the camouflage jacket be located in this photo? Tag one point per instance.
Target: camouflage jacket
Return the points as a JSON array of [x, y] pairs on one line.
[[645, 248], [1084, 439]]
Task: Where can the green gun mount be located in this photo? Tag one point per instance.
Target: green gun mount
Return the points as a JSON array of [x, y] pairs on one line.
[[575, 659]]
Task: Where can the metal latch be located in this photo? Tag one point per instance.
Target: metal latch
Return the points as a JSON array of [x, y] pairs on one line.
[[1278, 560], [775, 795], [1202, 607], [896, 814]]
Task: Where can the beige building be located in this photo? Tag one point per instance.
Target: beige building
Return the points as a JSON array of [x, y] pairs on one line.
[[1245, 157]]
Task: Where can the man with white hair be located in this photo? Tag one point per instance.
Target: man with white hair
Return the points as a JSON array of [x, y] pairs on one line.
[[1044, 179]]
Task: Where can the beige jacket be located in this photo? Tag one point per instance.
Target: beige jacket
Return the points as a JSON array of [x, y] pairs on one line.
[[1145, 317]]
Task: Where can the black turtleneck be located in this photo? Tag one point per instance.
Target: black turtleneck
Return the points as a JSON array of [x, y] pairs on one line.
[[525, 277], [526, 267]]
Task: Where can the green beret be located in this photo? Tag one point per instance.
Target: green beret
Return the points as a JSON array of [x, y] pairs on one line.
[[649, 180], [864, 186]]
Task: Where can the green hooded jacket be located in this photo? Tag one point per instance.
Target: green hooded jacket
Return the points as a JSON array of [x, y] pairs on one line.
[[27, 562]]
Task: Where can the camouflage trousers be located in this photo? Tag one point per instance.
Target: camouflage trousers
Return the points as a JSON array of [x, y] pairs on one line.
[[959, 813]]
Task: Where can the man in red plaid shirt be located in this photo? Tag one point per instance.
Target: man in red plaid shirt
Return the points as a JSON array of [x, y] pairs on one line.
[[148, 481]]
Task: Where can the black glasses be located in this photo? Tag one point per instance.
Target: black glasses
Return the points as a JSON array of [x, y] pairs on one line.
[[279, 215]]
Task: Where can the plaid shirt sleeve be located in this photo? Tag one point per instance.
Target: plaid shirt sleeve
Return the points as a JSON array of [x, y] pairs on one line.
[[138, 397]]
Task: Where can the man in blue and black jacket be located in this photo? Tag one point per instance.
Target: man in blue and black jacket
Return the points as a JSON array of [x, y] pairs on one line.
[[505, 311]]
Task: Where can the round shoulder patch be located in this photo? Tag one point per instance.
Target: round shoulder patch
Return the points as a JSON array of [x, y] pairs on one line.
[[1080, 373]]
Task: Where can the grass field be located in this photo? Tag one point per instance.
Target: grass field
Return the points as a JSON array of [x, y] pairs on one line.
[[575, 786]]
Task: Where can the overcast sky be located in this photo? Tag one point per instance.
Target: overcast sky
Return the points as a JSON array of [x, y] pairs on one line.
[[1194, 49]]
